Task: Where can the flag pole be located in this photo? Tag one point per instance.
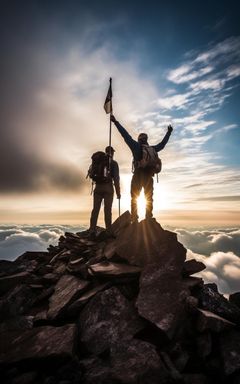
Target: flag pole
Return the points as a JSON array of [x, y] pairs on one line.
[[110, 121]]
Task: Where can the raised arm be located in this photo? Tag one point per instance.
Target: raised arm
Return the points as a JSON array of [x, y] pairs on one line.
[[164, 141], [133, 145]]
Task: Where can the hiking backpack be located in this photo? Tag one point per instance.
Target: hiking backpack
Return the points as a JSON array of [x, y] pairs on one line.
[[99, 169], [149, 159]]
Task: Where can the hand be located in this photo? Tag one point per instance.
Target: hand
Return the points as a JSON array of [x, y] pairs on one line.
[[112, 117], [170, 128], [118, 196]]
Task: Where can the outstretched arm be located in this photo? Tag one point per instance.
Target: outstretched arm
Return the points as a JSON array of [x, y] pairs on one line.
[[127, 138], [162, 144]]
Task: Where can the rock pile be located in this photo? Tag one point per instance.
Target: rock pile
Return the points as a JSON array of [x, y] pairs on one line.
[[119, 310]]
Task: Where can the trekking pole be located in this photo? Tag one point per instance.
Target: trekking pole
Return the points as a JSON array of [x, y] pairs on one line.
[[119, 209]]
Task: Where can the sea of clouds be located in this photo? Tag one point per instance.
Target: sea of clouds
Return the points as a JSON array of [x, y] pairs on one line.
[[218, 249]]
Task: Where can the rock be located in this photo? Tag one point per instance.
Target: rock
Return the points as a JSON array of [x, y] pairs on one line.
[[97, 371], [67, 289], [230, 351], [107, 319], [193, 282], [162, 296], [207, 320], [41, 343], [121, 223], [204, 345], [146, 242], [192, 266], [214, 302], [137, 362], [195, 378], [179, 356], [25, 378], [18, 322], [109, 269], [8, 282], [77, 305], [234, 298]]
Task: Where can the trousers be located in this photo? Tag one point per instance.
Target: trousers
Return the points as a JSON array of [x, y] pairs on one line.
[[142, 179], [102, 192]]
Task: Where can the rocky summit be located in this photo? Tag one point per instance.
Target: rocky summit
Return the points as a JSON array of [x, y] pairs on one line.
[[120, 308]]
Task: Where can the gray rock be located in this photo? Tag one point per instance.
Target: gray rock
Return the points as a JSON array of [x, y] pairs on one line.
[[121, 223], [67, 289], [146, 242], [37, 344], [108, 318], [109, 269], [214, 302], [162, 297], [230, 351], [234, 298], [137, 362], [207, 320], [192, 266]]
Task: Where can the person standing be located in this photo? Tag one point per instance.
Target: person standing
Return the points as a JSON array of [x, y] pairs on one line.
[[104, 191], [142, 176]]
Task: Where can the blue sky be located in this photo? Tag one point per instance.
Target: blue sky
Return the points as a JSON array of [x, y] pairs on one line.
[[172, 62]]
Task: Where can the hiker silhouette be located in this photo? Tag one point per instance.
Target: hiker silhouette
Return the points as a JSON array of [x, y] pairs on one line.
[[145, 164], [104, 171]]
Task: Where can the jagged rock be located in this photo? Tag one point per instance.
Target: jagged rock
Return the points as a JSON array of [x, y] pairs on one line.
[[136, 361], [18, 322], [235, 299], [108, 318], [40, 343], [8, 268], [106, 268], [209, 321], [230, 351], [193, 282], [179, 356], [162, 296], [8, 282], [122, 222], [50, 278], [192, 266], [97, 371], [77, 305], [174, 373], [149, 244], [17, 301], [67, 289], [214, 302]]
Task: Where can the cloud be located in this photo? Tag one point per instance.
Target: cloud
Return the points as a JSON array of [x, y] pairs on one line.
[[15, 240]]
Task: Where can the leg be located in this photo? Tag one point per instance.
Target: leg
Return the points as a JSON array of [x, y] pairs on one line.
[[148, 192], [135, 191], [108, 200], [97, 199]]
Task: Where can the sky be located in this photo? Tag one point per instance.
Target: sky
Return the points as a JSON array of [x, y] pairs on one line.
[[175, 62]]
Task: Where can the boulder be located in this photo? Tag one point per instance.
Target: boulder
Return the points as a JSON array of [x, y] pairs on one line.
[[67, 289], [137, 361], [162, 297], [35, 345], [8, 282], [147, 242], [121, 223], [192, 266], [214, 302], [234, 298], [207, 320], [107, 319], [109, 269]]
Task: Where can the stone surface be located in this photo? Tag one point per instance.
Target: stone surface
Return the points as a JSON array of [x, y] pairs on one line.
[[38, 343], [162, 297], [207, 320], [234, 298], [67, 289], [109, 269], [137, 362], [108, 318], [230, 351], [214, 302], [8, 282], [121, 223], [192, 266], [149, 244]]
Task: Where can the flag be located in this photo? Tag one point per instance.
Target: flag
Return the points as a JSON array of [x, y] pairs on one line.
[[108, 102]]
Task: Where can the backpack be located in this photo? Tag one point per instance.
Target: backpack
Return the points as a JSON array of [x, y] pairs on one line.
[[149, 159], [99, 169]]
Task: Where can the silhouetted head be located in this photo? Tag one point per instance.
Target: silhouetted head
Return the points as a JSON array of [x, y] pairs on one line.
[[109, 151], [142, 138]]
